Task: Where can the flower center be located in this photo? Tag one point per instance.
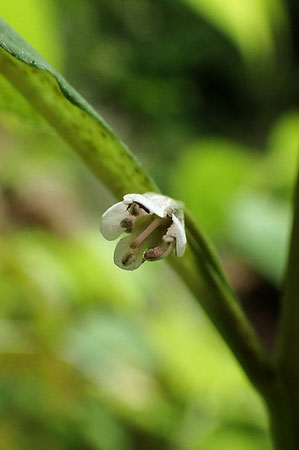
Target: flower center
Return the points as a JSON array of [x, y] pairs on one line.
[[145, 233]]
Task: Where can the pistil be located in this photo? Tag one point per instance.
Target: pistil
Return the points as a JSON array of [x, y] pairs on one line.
[[151, 227]]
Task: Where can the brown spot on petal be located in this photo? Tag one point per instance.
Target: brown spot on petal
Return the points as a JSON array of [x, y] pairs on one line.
[[127, 259]]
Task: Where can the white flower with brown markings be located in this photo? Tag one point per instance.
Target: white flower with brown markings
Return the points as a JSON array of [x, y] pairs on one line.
[[154, 225]]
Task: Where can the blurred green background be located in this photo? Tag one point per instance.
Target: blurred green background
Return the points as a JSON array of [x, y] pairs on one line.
[[206, 93]]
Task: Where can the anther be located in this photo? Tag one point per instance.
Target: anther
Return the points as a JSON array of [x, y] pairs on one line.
[[127, 223], [154, 253]]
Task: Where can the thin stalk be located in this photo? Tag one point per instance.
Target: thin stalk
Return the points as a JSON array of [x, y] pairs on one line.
[[218, 301], [288, 339], [280, 415]]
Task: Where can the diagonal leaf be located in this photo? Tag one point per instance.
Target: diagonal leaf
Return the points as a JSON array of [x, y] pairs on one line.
[[13, 102]]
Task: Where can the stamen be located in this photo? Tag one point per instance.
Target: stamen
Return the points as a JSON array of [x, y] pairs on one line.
[[152, 226], [134, 209], [154, 253], [127, 223]]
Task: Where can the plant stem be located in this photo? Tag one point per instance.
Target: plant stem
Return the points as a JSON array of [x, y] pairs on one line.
[[287, 358], [280, 415], [264, 376], [219, 303], [226, 314]]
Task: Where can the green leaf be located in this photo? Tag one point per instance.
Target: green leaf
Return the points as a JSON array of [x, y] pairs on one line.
[[13, 102]]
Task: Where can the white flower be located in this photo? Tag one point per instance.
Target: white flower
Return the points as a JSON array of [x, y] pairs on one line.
[[154, 225]]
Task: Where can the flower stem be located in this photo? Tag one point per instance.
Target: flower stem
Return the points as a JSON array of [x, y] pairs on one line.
[[287, 356]]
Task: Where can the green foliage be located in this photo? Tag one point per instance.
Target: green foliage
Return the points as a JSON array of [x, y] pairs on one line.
[[99, 359]]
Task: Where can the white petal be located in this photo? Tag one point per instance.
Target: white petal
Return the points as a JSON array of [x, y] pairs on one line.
[[155, 203], [125, 257], [110, 223], [177, 231]]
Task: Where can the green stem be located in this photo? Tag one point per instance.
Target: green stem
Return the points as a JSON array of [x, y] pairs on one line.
[[218, 301], [226, 314], [288, 338], [280, 415]]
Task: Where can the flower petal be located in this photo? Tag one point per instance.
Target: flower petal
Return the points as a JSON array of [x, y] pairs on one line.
[[177, 231], [125, 257], [111, 221], [154, 203]]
